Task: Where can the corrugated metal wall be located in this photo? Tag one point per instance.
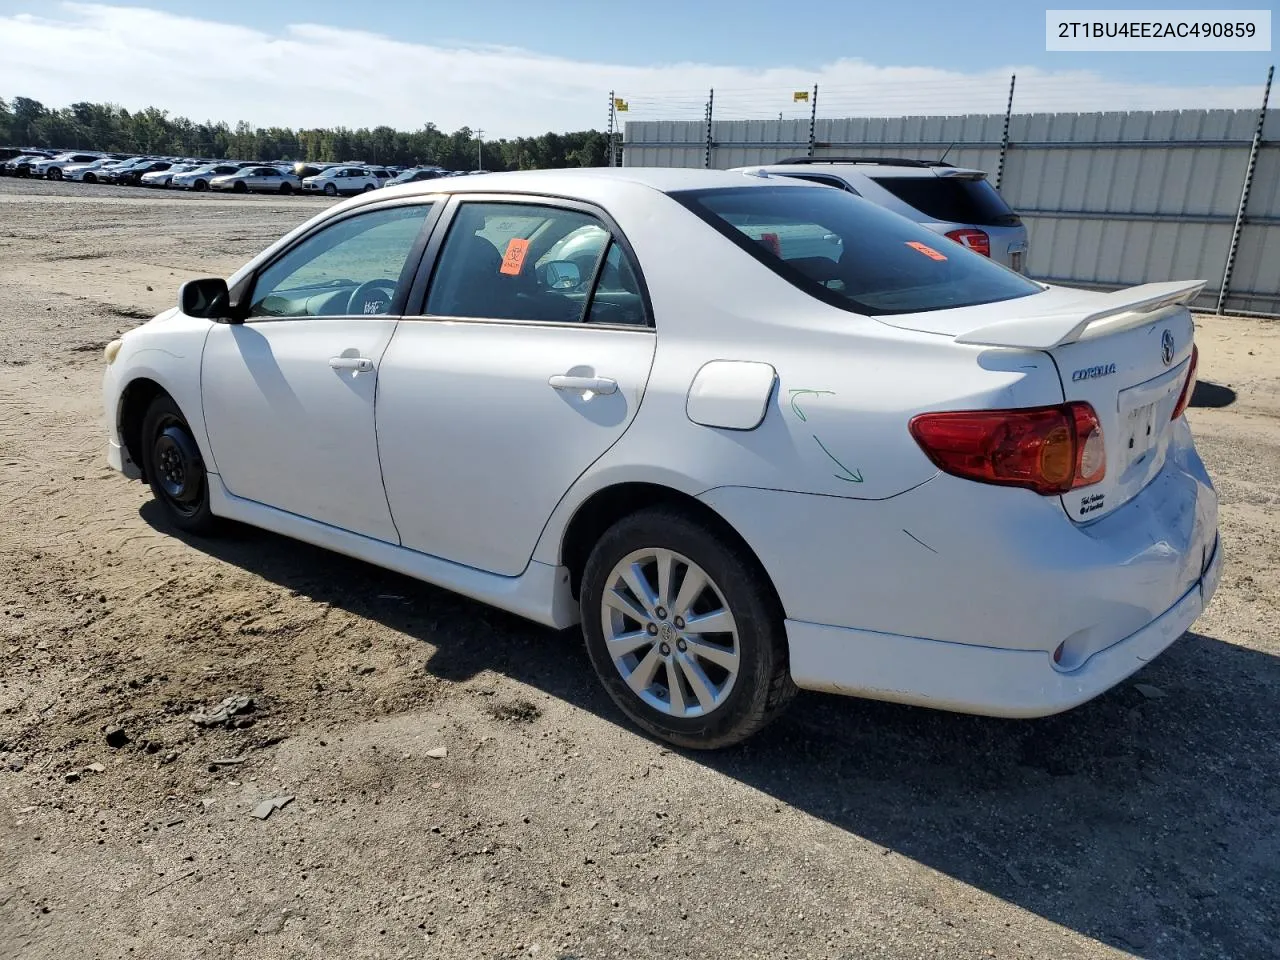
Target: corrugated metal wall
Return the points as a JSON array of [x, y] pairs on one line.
[[1110, 199]]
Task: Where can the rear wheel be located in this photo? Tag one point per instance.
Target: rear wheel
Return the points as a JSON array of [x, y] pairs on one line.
[[683, 631], [174, 467], [367, 187]]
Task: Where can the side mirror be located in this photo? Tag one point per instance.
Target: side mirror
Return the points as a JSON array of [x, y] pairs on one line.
[[207, 299], [562, 275]]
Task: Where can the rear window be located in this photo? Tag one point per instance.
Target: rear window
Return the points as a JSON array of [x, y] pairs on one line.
[[952, 199], [851, 253]]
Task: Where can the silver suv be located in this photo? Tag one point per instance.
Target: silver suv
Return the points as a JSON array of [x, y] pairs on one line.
[[956, 202]]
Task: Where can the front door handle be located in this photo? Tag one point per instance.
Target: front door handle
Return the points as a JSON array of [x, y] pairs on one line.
[[602, 385], [358, 364]]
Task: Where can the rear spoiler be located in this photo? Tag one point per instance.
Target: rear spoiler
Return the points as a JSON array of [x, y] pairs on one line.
[[1050, 330]]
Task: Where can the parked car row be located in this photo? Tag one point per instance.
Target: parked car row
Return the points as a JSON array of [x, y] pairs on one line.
[[190, 173]]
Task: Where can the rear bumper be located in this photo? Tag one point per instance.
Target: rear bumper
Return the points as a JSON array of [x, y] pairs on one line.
[[983, 680]]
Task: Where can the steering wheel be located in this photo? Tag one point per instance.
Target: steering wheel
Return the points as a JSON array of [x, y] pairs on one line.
[[372, 296]]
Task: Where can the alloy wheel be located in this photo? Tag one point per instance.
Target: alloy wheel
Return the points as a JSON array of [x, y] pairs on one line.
[[670, 633]]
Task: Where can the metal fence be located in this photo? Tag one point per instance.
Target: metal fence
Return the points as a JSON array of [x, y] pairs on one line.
[[1110, 199]]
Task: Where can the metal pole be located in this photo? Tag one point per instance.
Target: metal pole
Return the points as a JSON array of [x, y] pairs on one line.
[[479, 147], [611, 114], [1244, 194], [813, 121], [711, 101], [1004, 137]]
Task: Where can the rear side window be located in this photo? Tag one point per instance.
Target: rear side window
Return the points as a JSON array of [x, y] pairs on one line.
[[952, 199], [851, 253]]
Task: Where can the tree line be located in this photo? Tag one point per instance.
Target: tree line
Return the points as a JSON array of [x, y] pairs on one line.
[[110, 128]]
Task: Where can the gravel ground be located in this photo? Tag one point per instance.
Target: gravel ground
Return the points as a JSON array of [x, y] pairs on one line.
[[1142, 824]]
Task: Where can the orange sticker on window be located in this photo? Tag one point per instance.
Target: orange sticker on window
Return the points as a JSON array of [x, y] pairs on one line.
[[513, 259], [928, 251]]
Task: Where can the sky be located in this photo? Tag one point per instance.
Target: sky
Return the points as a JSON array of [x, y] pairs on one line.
[[516, 67]]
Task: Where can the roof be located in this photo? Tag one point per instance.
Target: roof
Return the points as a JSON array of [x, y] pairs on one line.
[[573, 180]]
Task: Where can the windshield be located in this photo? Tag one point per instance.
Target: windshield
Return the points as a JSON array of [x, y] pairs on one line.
[[853, 254]]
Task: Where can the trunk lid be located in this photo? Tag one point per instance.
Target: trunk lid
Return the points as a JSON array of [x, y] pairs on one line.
[[1126, 353]]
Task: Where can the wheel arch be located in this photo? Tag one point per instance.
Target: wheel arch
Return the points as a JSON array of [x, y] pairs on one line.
[[606, 506], [136, 397]]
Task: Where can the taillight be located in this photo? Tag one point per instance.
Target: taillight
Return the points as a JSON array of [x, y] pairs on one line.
[[1188, 388], [1046, 449], [975, 240]]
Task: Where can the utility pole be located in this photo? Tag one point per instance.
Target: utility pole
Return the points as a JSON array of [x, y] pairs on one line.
[[479, 148]]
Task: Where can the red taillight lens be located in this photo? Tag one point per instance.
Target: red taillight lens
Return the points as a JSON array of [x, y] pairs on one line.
[[1188, 388], [975, 240], [1046, 449]]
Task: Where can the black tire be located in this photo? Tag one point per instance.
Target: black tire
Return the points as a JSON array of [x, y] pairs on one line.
[[367, 188], [200, 185], [174, 467], [286, 188], [330, 190], [763, 686], [55, 173], [90, 178], [240, 187]]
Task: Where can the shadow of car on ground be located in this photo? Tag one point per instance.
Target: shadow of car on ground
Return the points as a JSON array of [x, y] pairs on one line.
[[1144, 820]]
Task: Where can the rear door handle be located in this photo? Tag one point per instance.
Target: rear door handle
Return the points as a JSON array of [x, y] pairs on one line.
[[358, 364], [602, 385]]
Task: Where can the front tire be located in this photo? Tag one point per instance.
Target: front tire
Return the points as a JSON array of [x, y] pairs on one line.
[[175, 469], [286, 188], [330, 190], [684, 632], [240, 187], [55, 174], [200, 185]]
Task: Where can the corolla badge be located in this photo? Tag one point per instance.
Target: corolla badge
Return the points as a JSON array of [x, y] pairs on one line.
[[1166, 348]]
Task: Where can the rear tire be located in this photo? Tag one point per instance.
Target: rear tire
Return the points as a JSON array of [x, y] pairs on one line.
[[733, 676], [367, 187], [174, 468]]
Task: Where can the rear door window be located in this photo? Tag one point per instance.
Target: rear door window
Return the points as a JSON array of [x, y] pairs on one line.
[[952, 199], [851, 253]]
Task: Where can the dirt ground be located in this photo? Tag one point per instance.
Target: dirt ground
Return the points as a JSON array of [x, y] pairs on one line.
[[1143, 824]]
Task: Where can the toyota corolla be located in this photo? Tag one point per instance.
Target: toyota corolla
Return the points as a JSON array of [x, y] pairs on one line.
[[753, 435]]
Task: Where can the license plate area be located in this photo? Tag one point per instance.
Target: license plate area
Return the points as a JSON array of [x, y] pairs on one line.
[[1139, 434]]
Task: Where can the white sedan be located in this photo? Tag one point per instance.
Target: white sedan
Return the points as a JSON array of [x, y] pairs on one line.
[[754, 435]]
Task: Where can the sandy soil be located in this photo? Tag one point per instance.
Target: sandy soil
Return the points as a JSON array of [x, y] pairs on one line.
[[1138, 825]]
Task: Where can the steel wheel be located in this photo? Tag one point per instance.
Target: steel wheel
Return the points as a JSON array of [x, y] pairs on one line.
[[179, 468], [670, 633], [174, 467]]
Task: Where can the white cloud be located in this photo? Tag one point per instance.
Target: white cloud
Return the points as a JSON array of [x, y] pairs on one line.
[[313, 75]]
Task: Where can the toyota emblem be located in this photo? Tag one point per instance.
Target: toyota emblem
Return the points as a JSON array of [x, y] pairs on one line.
[[1166, 348]]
